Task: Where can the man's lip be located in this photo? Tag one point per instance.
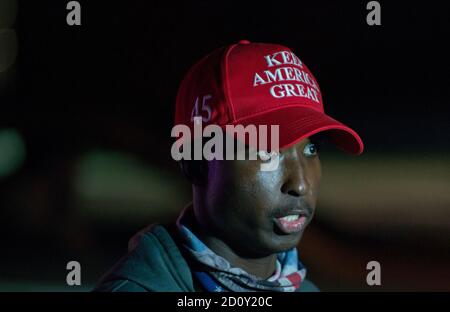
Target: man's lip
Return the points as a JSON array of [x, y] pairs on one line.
[[299, 212], [289, 227]]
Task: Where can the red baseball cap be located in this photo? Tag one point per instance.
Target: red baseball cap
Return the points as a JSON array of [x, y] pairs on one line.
[[259, 84]]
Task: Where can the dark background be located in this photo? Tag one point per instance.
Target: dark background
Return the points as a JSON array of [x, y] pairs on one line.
[[95, 103]]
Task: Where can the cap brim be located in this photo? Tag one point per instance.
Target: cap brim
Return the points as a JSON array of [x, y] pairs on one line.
[[299, 122]]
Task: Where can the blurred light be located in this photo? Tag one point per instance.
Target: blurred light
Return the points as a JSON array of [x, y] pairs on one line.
[[8, 13], [8, 37], [386, 193], [12, 152], [117, 186], [8, 48]]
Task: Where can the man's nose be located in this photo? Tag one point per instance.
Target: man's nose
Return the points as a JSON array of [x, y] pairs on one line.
[[295, 182]]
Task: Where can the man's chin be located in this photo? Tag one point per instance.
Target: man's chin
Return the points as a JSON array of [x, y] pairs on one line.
[[280, 243], [269, 243]]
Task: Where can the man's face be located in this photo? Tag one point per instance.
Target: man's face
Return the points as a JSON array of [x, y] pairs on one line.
[[245, 206]]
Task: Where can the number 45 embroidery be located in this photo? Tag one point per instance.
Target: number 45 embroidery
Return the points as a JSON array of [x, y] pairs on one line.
[[196, 111]]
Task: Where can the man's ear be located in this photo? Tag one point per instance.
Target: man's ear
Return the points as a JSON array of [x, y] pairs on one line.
[[195, 170]]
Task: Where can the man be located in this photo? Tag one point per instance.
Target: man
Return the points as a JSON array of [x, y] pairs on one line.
[[241, 230]]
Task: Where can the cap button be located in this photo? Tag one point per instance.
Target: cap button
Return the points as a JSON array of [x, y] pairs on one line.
[[244, 42]]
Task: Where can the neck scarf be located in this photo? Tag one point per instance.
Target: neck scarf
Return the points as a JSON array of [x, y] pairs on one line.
[[221, 276]]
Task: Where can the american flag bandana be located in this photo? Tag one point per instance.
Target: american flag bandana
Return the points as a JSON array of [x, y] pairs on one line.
[[288, 276]]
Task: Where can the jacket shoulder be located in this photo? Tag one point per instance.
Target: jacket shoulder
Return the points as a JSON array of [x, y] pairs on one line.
[[119, 285], [153, 263]]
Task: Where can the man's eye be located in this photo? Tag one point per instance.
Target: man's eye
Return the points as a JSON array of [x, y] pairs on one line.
[[310, 150], [266, 156]]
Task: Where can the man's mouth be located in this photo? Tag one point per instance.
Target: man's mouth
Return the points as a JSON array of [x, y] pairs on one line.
[[291, 223]]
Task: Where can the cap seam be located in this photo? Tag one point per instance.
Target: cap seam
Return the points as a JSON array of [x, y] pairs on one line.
[[303, 122], [260, 112], [225, 77]]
